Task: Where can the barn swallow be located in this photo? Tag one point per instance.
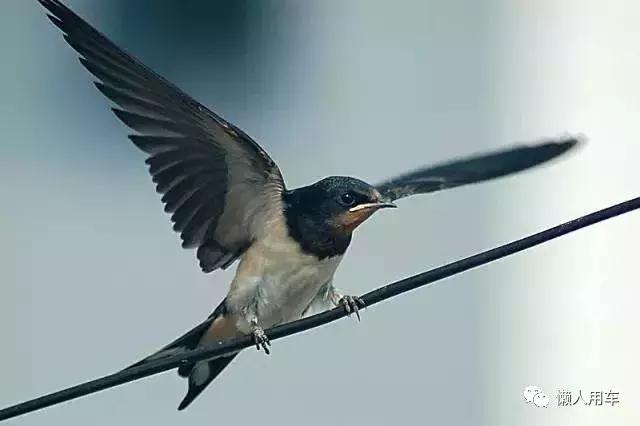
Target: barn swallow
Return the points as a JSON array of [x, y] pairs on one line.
[[227, 199]]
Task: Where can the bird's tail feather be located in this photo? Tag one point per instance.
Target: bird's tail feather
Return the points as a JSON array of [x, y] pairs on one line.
[[184, 343], [201, 373]]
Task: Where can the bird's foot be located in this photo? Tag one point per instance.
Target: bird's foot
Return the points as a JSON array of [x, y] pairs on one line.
[[260, 339], [352, 305]]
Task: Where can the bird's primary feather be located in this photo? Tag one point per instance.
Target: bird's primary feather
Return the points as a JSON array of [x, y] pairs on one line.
[[473, 169], [219, 185]]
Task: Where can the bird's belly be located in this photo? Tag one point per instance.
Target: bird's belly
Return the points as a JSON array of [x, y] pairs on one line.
[[277, 285], [284, 296]]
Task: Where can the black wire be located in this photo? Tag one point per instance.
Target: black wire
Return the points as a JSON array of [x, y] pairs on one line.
[[371, 298]]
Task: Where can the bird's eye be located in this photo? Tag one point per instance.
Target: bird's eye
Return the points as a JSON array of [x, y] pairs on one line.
[[348, 199]]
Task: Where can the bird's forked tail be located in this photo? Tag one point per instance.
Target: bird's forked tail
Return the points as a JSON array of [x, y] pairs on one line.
[[201, 373]]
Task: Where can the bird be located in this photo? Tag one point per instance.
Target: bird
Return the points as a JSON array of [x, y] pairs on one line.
[[228, 200]]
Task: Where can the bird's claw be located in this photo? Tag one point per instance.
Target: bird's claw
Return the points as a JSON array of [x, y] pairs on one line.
[[352, 304], [261, 340]]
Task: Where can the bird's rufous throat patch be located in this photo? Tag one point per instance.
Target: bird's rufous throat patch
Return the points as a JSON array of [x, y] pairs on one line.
[[348, 221]]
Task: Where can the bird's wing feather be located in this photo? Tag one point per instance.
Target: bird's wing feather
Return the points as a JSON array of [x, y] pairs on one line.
[[219, 185], [472, 169]]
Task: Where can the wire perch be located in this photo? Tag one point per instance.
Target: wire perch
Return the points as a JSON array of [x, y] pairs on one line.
[[371, 298]]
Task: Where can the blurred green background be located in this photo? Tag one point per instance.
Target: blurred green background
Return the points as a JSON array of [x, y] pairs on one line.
[[93, 277]]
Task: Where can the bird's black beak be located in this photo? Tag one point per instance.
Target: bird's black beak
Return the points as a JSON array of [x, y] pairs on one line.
[[372, 206]]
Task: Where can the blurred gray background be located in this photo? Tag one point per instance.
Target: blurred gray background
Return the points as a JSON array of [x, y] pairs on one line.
[[93, 277]]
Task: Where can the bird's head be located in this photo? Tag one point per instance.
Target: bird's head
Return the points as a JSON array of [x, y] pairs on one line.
[[346, 202], [337, 204]]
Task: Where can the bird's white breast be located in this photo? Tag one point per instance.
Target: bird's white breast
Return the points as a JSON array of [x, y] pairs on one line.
[[278, 280]]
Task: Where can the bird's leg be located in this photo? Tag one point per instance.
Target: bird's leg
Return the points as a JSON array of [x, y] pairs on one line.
[[351, 304], [259, 337]]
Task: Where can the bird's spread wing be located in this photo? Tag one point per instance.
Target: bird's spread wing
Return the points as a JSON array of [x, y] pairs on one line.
[[220, 187], [472, 169]]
